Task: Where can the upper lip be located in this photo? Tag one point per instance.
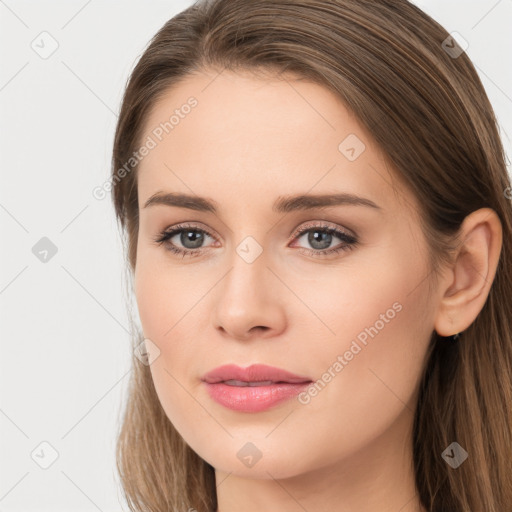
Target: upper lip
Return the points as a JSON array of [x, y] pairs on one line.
[[253, 373]]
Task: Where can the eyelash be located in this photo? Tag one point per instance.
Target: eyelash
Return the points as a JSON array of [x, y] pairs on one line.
[[349, 241]]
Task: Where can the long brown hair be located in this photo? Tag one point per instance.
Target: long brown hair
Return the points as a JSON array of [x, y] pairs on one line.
[[425, 106]]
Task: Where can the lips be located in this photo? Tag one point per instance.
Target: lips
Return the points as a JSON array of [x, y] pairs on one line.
[[257, 374], [253, 389]]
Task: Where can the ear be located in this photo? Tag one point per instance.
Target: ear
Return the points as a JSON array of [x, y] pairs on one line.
[[466, 283]]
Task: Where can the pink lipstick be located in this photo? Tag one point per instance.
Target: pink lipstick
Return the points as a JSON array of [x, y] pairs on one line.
[[252, 389]]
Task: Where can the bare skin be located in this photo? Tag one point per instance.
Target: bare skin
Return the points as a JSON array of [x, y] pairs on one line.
[[248, 142]]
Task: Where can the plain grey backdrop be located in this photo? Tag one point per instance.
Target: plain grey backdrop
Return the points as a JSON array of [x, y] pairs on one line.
[[64, 326]]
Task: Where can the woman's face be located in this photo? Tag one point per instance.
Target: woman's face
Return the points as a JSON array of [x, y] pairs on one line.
[[262, 282]]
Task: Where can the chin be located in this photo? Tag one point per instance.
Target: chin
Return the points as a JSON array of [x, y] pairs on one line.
[[256, 459]]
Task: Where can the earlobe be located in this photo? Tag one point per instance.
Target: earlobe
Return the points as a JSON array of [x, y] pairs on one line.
[[465, 289]]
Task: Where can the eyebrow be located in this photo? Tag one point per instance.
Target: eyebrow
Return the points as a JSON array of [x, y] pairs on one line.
[[283, 204]]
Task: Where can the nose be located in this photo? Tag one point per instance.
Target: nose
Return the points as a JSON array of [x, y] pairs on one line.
[[249, 301]]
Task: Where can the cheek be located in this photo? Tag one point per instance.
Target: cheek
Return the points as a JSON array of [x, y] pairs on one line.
[[371, 364], [163, 316], [153, 303], [364, 387], [165, 303], [373, 294], [160, 292]]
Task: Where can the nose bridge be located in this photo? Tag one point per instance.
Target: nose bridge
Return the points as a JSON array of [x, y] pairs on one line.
[[248, 270], [253, 241]]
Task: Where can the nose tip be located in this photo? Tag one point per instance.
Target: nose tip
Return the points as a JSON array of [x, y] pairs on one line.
[[246, 303]]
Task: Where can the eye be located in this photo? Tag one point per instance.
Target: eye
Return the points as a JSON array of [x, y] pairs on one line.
[[319, 236], [190, 237]]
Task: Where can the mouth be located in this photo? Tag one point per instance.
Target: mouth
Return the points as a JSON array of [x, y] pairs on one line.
[[242, 383], [256, 375], [253, 389]]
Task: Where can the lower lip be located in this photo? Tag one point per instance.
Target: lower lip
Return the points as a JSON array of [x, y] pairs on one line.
[[253, 398]]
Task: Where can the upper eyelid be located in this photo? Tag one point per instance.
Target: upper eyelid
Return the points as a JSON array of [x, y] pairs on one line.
[[304, 226], [194, 227], [322, 225]]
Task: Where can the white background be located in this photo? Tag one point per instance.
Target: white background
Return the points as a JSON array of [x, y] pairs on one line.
[[64, 325]]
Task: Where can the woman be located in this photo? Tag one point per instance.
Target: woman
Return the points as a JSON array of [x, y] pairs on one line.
[[318, 227]]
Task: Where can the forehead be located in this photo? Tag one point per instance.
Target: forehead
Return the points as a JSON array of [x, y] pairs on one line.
[[247, 135]]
